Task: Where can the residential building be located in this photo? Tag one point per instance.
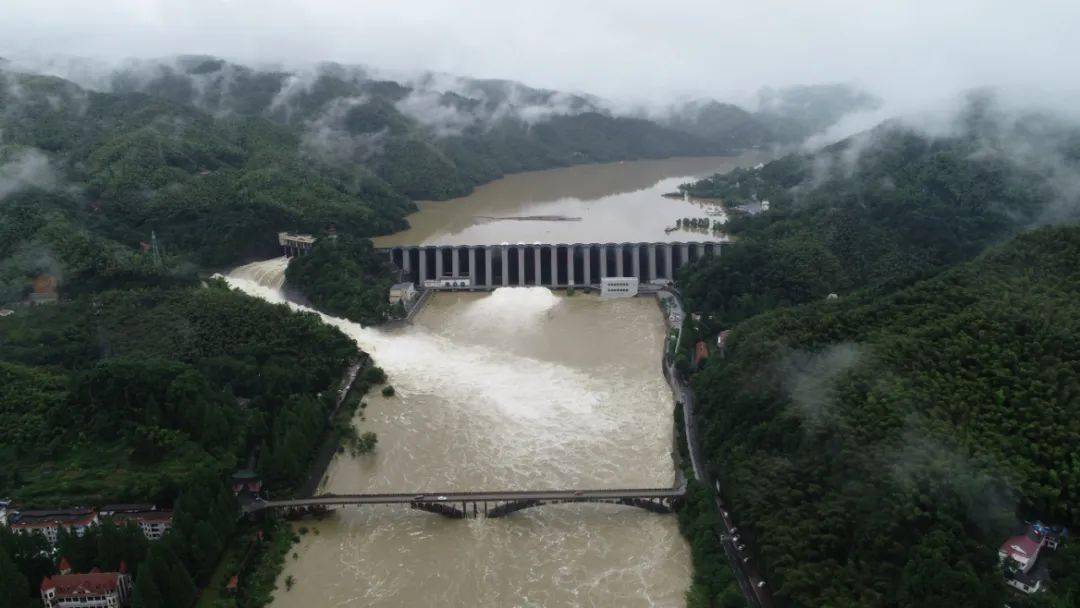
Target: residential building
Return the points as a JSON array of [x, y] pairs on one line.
[[49, 522], [701, 352], [151, 521], [1022, 549], [92, 590], [44, 291], [618, 287], [1020, 555], [246, 484]]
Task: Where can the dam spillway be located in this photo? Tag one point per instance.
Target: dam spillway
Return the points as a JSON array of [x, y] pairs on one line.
[[545, 265]]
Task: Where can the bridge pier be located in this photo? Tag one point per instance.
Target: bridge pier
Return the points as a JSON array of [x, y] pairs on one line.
[[620, 251], [669, 263]]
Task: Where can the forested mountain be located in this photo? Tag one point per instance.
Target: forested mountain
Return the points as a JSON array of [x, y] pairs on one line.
[[783, 116], [136, 390], [877, 451], [213, 158], [882, 209], [877, 447], [432, 135]]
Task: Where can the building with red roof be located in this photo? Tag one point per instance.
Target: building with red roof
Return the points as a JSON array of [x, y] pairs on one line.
[[1023, 549], [49, 522], [152, 522], [701, 352], [92, 590], [1019, 555]]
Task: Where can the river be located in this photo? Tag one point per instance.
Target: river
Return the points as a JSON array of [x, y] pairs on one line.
[[517, 389]]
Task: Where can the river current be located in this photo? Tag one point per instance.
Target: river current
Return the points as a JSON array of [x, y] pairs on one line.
[[517, 389]]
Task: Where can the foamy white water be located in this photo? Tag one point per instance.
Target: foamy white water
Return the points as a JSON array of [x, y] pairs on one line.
[[516, 389]]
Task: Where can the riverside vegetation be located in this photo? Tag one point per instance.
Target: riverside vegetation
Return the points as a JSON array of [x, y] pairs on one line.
[[875, 449]]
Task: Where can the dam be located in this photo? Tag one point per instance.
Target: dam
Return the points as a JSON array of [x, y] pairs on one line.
[[486, 267]]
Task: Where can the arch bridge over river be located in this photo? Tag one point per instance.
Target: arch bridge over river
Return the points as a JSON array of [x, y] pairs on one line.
[[464, 505], [485, 267]]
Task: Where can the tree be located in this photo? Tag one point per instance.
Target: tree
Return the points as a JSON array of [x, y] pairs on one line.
[[146, 593], [366, 443], [14, 590]]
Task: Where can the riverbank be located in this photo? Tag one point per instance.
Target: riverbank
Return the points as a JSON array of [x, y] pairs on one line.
[[703, 505], [332, 439]]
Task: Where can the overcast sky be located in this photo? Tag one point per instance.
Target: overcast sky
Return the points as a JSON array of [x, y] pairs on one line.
[[622, 49]]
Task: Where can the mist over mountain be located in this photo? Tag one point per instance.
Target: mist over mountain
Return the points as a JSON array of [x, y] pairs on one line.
[[433, 135]]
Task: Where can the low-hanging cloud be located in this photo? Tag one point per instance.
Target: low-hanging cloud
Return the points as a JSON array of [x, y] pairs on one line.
[[809, 379], [623, 49], [24, 169]]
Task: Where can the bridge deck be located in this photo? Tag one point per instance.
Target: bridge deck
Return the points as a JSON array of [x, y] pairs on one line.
[[330, 500]]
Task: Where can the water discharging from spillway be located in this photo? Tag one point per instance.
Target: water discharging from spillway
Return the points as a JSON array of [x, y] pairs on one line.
[[518, 389]]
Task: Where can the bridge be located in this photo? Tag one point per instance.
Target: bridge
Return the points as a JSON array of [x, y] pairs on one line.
[[464, 505], [548, 265]]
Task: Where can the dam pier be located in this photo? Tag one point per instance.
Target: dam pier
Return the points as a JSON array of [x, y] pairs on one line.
[[556, 266]]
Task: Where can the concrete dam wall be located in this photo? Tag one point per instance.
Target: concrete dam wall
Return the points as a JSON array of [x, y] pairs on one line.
[[556, 266]]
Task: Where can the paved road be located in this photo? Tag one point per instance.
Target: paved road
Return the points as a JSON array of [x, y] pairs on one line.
[[330, 500], [745, 574]]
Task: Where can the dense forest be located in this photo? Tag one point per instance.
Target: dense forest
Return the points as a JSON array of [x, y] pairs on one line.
[[877, 447], [344, 276], [878, 210], [158, 394], [134, 391]]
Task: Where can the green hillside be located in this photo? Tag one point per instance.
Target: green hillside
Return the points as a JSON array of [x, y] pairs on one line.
[[894, 401]]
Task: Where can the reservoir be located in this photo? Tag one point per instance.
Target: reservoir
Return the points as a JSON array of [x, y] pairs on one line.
[[616, 202], [517, 389]]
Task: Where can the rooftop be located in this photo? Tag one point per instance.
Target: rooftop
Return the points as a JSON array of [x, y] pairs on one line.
[[71, 586], [147, 516], [50, 518]]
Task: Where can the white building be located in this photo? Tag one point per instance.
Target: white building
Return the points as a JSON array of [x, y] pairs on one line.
[[48, 523], [402, 292], [618, 287], [448, 283], [153, 524], [93, 590], [295, 244]]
